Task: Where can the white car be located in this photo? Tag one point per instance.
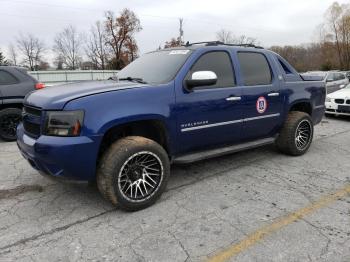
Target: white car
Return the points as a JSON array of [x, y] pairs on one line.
[[338, 103]]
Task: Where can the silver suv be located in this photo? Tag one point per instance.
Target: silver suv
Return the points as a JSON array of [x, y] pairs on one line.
[[335, 80]]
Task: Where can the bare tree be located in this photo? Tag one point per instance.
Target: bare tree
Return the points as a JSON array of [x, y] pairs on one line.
[[173, 42], [96, 47], [131, 49], [228, 37], [120, 32], [336, 34], [3, 60], [225, 36], [68, 45], [31, 48], [246, 40], [13, 54], [333, 15]]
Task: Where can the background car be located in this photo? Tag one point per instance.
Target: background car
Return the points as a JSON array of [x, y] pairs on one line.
[[347, 74], [338, 103], [15, 84], [335, 80]]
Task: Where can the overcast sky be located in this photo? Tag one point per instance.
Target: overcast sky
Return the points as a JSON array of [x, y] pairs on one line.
[[272, 22]]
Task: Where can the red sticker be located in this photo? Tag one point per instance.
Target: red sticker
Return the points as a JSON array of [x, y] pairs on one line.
[[261, 105]]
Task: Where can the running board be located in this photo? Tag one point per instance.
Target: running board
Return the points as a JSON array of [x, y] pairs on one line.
[[193, 157]]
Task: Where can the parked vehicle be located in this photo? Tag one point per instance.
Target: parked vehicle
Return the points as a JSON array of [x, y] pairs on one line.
[[175, 105], [15, 84], [347, 74], [338, 103], [335, 80]]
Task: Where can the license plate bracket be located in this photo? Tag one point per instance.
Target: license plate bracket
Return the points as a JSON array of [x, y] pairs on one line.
[[344, 108]]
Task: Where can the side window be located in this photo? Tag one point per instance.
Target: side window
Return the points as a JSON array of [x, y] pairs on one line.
[[7, 79], [341, 76], [220, 63], [254, 68], [284, 67]]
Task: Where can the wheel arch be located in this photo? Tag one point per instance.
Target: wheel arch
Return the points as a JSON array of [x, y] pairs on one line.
[[151, 128], [11, 103], [301, 106]]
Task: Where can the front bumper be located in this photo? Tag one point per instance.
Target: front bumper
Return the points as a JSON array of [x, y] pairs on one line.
[[332, 108], [63, 157]]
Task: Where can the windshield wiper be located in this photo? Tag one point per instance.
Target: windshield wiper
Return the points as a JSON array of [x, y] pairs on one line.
[[134, 79]]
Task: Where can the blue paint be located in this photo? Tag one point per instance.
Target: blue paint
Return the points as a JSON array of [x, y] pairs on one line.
[[108, 104]]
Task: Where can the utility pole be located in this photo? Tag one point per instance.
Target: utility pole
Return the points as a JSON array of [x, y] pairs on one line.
[[181, 37]]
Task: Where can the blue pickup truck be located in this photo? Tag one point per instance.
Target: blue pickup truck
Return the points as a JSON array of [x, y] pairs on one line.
[[176, 105]]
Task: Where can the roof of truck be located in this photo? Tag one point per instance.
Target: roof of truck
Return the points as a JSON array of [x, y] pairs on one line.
[[197, 45]]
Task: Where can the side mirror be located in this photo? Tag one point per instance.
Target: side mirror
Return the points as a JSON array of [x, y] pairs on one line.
[[201, 78]]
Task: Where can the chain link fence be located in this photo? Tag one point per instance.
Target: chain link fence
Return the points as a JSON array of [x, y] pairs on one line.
[[62, 76]]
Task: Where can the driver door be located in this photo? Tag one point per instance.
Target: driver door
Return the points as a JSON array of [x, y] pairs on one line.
[[209, 116]]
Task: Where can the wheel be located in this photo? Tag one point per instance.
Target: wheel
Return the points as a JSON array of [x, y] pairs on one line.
[[296, 135], [133, 173], [9, 119]]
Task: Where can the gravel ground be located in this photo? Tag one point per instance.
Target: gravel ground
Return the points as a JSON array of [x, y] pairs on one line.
[[256, 205]]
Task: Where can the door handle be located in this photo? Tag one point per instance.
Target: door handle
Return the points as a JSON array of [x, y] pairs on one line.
[[274, 94], [234, 98]]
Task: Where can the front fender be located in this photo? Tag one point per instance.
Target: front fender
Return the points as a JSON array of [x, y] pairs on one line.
[[106, 110]]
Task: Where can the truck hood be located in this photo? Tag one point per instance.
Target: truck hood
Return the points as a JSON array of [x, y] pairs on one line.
[[342, 93], [57, 96]]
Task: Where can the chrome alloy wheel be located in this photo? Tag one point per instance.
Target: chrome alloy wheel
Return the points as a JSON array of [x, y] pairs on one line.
[[140, 176], [303, 134]]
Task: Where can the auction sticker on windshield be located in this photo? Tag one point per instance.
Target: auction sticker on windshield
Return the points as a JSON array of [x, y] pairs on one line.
[[179, 52]]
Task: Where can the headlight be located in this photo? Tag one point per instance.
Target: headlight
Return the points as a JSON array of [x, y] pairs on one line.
[[63, 123], [328, 99]]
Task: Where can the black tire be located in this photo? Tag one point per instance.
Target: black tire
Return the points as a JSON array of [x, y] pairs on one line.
[[288, 141], [9, 119], [117, 162]]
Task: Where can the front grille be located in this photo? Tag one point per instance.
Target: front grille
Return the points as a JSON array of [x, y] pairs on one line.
[[32, 121], [339, 101], [348, 102]]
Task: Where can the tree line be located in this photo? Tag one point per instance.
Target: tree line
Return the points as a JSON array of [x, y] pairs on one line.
[[332, 51], [111, 44]]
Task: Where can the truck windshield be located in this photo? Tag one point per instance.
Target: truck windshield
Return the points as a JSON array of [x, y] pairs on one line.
[[156, 67]]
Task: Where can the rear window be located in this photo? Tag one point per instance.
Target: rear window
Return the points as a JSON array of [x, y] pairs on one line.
[[284, 67], [7, 78], [255, 69], [340, 76]]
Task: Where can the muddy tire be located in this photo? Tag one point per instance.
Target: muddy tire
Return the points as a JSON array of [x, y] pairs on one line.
[[296, 135], [133, 173]]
